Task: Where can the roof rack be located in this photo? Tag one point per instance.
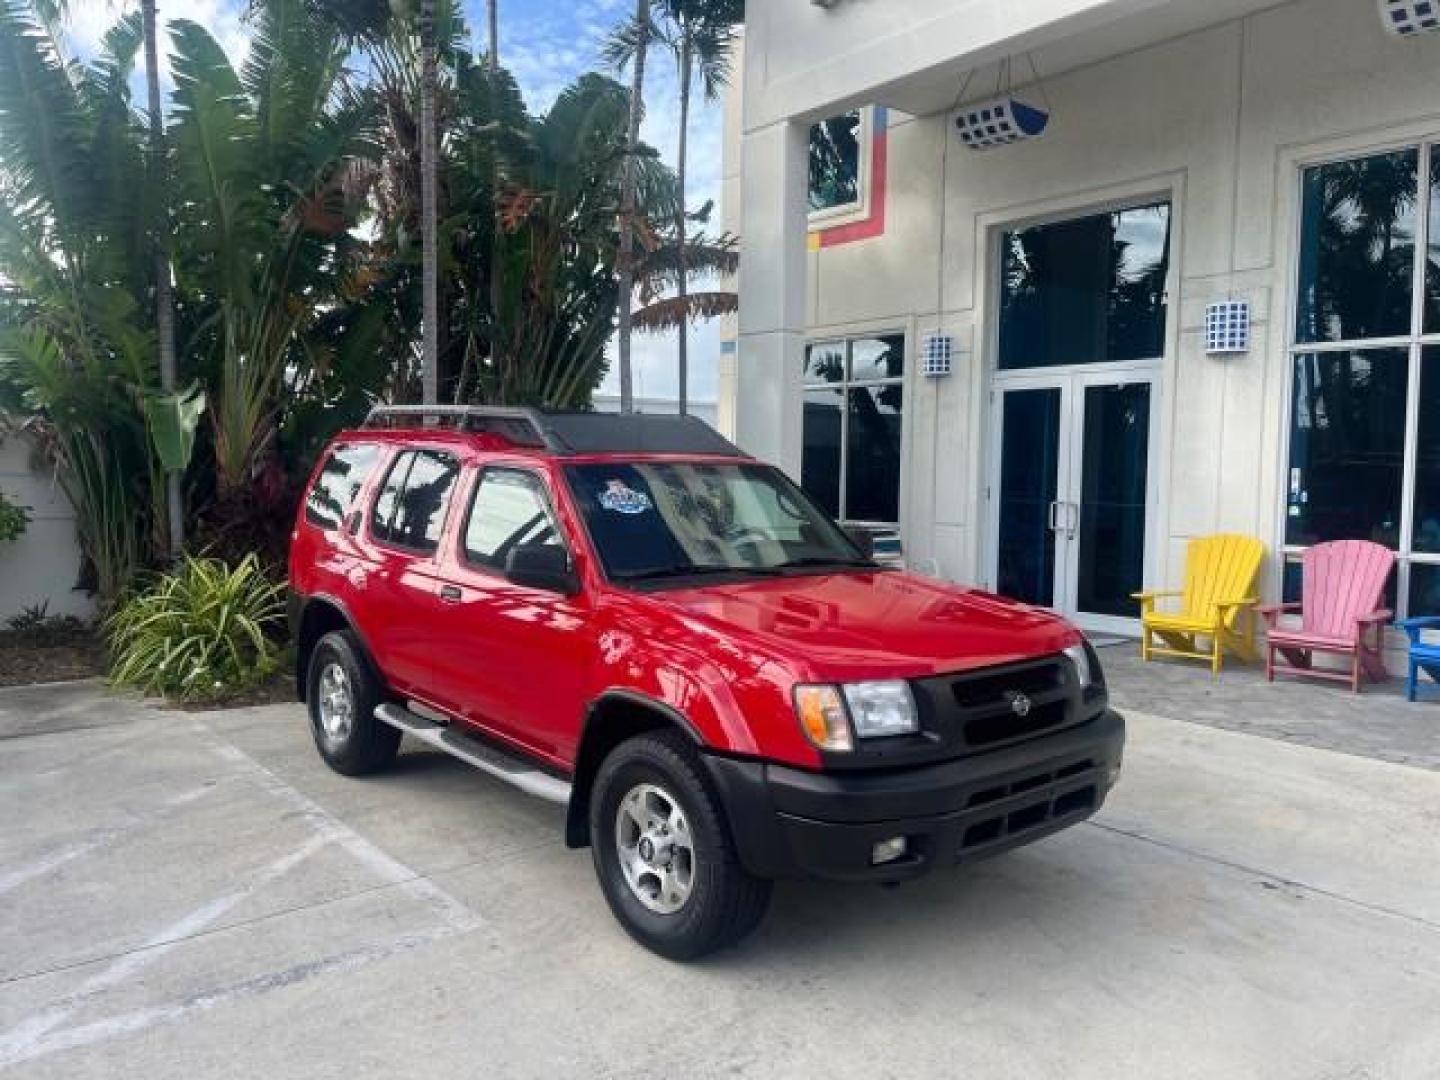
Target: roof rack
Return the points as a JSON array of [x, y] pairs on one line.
[[567, 432]]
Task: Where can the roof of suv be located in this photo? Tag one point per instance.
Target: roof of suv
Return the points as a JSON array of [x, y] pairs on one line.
[[563, 434]]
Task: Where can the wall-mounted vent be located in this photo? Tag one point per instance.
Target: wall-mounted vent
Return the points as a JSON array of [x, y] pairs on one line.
[[1227, 327], [1001, 121], [1406, 18], [938, 356]]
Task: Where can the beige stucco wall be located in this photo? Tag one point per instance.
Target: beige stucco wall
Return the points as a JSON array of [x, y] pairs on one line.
[[43, 564], [1220, 120]]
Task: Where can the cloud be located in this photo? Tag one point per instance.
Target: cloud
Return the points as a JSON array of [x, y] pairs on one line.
[[89, 22]]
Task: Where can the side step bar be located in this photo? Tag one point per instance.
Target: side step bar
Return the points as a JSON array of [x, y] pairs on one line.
[[488, 759]]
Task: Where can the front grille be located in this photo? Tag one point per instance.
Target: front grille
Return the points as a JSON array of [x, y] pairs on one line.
[[1014, 702], [1030, 802]]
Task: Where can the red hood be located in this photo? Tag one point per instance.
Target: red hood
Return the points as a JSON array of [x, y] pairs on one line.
[[870, 625]]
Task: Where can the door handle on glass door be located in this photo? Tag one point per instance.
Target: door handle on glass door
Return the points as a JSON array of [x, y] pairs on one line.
[[450, 594], [1053, 521], [1072, 519]]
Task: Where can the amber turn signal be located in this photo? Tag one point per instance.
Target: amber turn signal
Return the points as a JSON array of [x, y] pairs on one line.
[[821, 712]]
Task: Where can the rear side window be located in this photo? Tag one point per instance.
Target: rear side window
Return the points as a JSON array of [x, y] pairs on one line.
[[509, 509], [410, 510], [338, 483]]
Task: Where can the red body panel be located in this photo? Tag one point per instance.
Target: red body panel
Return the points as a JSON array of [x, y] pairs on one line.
[[524, 664]]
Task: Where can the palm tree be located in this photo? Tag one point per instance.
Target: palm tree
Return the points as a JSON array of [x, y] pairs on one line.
[[77, 348], [641, 28], [164, 298], [702, 34], [429, 167]]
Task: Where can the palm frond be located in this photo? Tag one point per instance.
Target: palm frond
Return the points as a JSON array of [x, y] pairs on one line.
[[673, 313]]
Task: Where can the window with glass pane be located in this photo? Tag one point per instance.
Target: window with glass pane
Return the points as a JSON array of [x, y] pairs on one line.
[[835, 162], [1086, 290], [854, 413], [1347, 446], [1357, 248], [1432, 248], [1424, 589], [411, 509], [1426, 527], [509, 510], [820, 456], [339, 481], [1369, 256], [872, 454]]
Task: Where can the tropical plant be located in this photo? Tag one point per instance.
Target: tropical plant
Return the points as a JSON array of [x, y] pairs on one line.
[[14, 520], [158, 185], [701, 35], [272, 167], [527, 225], [76, 346], [429, 185], [206, 630]]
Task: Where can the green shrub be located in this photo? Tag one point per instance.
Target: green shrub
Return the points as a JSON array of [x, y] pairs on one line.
[[202, 631], [13, 519]]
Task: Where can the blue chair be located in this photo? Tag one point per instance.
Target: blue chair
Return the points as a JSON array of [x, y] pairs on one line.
[[1424, 655]]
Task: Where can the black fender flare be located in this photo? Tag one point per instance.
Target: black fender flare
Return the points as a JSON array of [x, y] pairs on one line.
[[597, 739], [300, 608]]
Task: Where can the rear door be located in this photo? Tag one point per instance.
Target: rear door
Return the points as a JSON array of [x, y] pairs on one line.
[[398, 597], [514, 659]]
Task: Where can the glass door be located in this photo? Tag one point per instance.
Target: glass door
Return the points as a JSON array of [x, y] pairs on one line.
[[1028, 491], [1070, 493]]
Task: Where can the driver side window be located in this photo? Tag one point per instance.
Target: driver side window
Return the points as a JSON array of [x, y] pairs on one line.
[[509, 509]]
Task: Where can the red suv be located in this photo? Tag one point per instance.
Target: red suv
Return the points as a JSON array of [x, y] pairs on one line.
[[628, 616]]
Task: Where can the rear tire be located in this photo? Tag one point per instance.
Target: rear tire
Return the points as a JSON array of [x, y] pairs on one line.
[[341, 695], [663, 851]]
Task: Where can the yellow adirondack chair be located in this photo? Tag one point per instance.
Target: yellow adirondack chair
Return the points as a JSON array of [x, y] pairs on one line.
[[1216, 603]]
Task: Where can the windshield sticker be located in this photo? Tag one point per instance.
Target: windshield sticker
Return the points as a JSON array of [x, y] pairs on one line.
[[619, 499]]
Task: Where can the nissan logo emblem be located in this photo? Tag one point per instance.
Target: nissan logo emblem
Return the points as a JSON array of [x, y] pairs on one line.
[[1019, 703]]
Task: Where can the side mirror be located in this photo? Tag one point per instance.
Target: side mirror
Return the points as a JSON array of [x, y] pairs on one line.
[[542, 566], [864, 539]]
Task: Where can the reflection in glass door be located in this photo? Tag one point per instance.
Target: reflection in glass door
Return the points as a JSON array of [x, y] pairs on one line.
[[1029, 474], [1071, 485], [1109, 551]]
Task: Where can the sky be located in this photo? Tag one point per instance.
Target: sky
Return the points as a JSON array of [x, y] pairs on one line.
[[545, 44]]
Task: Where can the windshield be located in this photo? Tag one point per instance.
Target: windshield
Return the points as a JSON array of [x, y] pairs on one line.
[[663, 520]]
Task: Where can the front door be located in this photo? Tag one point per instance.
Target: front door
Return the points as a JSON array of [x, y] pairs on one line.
[[1083, 321], [1071, 493]]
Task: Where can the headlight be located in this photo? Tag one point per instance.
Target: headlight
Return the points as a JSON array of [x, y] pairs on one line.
[[881, 708], [832, 716], [1080, 657]]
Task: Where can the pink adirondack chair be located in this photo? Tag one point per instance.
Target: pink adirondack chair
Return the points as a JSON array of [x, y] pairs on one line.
[[1340, 613]]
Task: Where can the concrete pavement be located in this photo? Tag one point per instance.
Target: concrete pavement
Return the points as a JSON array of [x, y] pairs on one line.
[[197, 896]]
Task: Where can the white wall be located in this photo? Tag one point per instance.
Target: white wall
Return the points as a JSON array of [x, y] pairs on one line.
[[43, 564], [1297, 81]]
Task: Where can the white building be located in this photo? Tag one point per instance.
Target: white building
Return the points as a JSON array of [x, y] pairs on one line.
[[1198, 152]]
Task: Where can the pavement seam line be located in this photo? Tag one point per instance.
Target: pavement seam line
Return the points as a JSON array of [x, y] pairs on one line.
[[456, 913], [20, 1040], [297, 909], [98, 839], [1170, 845]]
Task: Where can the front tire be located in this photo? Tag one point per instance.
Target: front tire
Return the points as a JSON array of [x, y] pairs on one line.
[[341, 695], [663, 852]]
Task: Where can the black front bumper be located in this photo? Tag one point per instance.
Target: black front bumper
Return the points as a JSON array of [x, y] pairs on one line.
[[788, 822]]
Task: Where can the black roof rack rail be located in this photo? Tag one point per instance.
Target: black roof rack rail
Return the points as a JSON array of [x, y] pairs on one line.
[[520, 426], [567, 432]]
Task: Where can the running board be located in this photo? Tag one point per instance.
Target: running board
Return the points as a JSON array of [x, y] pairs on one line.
[[488, 759]]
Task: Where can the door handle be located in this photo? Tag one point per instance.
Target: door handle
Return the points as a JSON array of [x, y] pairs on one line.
[[1072, 519], [450, 594], [1053, 521]]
